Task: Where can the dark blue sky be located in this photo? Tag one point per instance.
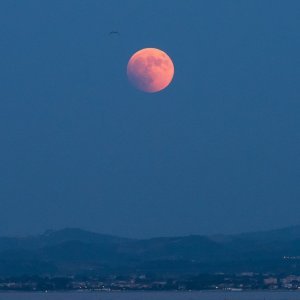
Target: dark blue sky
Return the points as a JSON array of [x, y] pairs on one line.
[[216, 152]]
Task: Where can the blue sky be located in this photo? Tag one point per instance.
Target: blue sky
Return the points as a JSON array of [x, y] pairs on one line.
[[216, 152]]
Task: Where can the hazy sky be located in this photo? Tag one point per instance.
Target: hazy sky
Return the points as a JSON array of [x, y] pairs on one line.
[[216, 152]]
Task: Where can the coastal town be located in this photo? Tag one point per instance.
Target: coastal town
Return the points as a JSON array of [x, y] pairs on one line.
[[218, 281]]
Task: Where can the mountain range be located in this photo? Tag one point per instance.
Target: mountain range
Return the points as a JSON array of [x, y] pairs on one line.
[[71, 252]]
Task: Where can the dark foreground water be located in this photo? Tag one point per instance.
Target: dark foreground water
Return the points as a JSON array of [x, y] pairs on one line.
[[153, 296]]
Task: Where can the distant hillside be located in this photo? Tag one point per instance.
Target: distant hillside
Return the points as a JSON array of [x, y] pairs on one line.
[[75, 251]]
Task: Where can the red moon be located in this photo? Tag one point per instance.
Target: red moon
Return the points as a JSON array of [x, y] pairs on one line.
[[150, 70]]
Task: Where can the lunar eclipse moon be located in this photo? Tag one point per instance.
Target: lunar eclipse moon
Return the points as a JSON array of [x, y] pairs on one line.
[[150, 70]]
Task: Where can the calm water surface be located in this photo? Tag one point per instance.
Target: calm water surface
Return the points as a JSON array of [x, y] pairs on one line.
[[153, 295]]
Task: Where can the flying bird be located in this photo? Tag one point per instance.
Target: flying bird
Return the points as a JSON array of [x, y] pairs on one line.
[[113, 32]]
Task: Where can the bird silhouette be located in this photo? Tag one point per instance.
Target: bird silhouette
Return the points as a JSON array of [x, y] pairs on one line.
[[114, 32]]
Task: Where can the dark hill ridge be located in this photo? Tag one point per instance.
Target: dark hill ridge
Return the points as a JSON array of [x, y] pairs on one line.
[[76, 251]]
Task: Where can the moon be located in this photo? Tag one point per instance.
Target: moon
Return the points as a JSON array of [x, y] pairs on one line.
[[150, 70]]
